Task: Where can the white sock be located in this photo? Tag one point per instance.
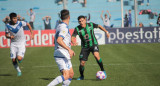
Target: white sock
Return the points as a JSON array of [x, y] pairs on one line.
[[67, 82], [56, 81], [16, 67]]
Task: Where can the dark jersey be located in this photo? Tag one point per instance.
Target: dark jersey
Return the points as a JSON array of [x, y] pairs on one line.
[[86, 35]]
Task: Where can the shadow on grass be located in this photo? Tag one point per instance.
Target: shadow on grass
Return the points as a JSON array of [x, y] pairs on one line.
[[47, 78], [88, 79], [72, 79], [5, 75]]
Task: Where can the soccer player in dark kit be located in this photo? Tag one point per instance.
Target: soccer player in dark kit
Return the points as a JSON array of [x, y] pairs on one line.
[[88, 43]]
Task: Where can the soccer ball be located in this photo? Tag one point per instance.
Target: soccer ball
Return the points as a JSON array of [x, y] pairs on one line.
[[100, 75]]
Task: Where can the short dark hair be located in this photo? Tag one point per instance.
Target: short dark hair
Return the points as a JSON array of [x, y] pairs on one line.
[[64, 14], [81, 16], [31, 9], [11, 15]]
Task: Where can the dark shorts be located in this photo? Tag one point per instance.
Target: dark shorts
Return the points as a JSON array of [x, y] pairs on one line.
[[86, 51], [32, 25]]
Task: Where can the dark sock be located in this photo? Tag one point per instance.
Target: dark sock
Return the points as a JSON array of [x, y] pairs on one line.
[[15, 62], [81, 70], [100, 64]]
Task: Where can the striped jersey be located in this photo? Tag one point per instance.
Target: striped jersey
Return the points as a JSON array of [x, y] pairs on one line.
[[17, 31], [62, 30], [86, 35]]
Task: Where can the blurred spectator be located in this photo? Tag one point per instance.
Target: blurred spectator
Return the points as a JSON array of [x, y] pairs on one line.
[[149, 12], [130, 18], [143, 2], [60, 2], [111, 0], [106, 20], [47, 22], [141, 24], [19, 17], [89, 17], [158, 20], [6, 19], [126, 22], [24, 27], [74, 1], [83, 2], [32, 17]]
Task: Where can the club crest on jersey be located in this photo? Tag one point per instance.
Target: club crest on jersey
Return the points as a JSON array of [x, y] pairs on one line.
[[96, 48], [64, 32]]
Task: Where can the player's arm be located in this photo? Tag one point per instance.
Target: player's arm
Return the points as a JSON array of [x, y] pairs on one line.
[[30, 28], [43, 18], [62, 44], [109, 14], [28, 13], [102, 28], [73, 38], [8, 36], [49, 17], [102, 15], [89, 16]]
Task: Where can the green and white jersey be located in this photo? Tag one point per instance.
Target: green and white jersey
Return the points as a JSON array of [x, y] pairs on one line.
[[86, 35]]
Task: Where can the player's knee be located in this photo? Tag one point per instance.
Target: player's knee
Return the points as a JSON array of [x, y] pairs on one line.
[[20, 58], [82, 63], [13, 60], [66, 75], [71, 75]]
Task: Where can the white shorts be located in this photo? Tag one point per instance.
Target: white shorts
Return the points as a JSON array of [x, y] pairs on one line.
[[17, 50], [63, 63]]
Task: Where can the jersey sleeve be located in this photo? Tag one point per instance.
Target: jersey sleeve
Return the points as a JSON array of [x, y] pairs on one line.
[[24, 23], [6, 29], [63, 32], [95, 25], [75, 33]]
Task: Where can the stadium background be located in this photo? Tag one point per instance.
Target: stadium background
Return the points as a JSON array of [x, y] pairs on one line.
[[126, 64]]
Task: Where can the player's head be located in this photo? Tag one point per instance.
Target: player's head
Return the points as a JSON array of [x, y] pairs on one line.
[[129, 11], [82, 20], [64, 15], [47, 18], [106, 15], [13, 17], [31, 9]]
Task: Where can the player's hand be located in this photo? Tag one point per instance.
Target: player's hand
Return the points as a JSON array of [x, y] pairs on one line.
[[108, 35], [71, 52], [32, 36], [75, 44], [12, 37]]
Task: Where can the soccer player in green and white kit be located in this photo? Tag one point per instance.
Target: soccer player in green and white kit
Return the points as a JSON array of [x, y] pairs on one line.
[[88, 42]]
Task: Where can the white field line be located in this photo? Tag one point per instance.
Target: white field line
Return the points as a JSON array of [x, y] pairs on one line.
[[92, 65]]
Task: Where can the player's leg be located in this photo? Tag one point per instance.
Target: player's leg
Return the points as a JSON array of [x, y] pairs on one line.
[[60, 79], [95, 51], [68, 81], [65, 72], [83, 57], [81, 69], [99, 61], [13, 51], [21, 52]]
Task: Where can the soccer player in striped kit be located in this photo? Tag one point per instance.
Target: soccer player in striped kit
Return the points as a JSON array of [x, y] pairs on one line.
[[88, 43], [14, 31]]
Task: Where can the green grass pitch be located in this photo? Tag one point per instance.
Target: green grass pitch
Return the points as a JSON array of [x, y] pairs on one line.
[[125, 64]]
